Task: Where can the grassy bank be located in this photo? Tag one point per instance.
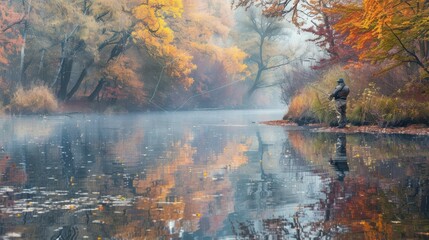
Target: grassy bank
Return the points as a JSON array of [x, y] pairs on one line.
[[382, 102]]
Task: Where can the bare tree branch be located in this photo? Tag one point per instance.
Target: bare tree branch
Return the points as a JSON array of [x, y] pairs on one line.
[[14, 23]]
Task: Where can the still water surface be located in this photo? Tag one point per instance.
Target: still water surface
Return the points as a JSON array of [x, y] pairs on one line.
[[207, 175]]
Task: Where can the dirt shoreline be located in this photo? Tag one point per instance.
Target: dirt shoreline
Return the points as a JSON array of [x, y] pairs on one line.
[[420, 129]]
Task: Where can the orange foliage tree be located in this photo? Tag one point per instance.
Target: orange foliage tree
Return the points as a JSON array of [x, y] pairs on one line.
[[315, 17], [321, 26], [392, 30], [123, 81]]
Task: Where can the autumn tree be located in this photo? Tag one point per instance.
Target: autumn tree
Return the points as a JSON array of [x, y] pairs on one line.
[[76, 47], [123, 81], [321, 23], [70, 39], [205, 32], [391, 30], [312, 16], [152, 28], [274, 8], [79, 48], [263, 37], [65, 41], [10, 39]]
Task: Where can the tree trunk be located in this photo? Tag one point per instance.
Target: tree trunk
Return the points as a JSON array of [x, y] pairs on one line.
[[39, 70], [65, 56], [21, 67], [57, 76], [255, 84], [65, 78], [77, 85], [97, 90], [79, 80], [24, 41], [42, 58]]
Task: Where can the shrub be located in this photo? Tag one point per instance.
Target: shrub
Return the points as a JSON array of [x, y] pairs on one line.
[[387, 111], [39, 100], [396, 100], [298, 107], [362, 109], [311, 105], [393, 112], [323, 109]]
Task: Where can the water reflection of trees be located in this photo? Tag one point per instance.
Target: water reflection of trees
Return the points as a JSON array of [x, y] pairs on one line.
[[374, 187], [272, 194], [94, 180], [386, 191], [107, 180], [183, 196]]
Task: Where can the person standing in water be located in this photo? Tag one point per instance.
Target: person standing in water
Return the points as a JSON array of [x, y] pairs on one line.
[[340, 94]]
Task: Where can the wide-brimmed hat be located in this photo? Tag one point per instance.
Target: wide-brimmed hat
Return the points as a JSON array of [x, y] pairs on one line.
[[340, 80]]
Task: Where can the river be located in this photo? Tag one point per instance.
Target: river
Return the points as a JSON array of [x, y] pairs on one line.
[[207, 175]]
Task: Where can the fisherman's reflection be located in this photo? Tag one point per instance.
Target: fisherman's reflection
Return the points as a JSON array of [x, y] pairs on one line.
[[339, 161]]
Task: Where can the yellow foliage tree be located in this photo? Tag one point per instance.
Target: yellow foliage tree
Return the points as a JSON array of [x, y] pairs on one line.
[[123, 81], [158, 38], [205, 29]]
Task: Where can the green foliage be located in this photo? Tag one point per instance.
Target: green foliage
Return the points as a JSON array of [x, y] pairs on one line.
[[36, 100]]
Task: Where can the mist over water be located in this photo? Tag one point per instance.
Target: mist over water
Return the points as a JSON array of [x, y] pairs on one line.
[[213, 174]]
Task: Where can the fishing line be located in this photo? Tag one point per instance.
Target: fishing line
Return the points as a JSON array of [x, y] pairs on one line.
[[158, 106], [318, 89], [208, 91]]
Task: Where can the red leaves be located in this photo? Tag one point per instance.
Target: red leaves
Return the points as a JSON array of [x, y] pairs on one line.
[[10, 39]]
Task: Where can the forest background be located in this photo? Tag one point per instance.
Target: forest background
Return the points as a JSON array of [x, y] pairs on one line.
[[134, 55]]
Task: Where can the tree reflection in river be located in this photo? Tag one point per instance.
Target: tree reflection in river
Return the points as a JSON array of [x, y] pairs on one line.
[[180, 176], [372, 202]]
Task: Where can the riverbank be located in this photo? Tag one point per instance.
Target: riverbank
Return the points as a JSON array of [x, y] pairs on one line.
[[415, 129]]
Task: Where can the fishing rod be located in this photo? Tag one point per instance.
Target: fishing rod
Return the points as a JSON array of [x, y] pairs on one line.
[[318, 89], [327, 104]]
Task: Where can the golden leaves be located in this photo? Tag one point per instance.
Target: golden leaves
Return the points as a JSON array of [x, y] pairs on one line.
[[158, 38], [124, 80], [234, 60], [152, 27], [180, 66], [124, 71]]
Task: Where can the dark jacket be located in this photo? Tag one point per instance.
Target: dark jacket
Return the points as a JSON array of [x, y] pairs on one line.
[[340, 92]]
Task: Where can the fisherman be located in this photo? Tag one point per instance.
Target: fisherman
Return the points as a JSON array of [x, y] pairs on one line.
[[340, 94]]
